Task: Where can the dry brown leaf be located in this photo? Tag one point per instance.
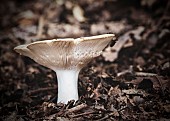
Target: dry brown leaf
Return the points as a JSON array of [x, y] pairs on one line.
[[111, 53], [78, 13], [114, 91]]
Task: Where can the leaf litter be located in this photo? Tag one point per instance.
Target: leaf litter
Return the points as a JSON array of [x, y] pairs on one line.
[[130, 81]]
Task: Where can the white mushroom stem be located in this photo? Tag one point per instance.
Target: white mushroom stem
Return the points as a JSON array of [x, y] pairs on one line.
[[67, 85]]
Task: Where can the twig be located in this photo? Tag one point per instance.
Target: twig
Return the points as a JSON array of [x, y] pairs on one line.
[[106, 117], [124, 72], [96, 91], [130, 70], [41, 23], [145, 74], [111, 114], [122, 109], [77, 108], [78, 115]]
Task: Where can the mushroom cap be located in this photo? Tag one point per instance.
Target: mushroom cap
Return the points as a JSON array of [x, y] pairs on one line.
[[66, 53]]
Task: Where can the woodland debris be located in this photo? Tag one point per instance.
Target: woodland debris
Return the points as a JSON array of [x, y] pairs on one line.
[[111, 53], [77, 108]]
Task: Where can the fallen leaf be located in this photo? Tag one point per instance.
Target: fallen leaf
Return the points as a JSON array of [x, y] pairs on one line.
[[111, 53], [78, 13]]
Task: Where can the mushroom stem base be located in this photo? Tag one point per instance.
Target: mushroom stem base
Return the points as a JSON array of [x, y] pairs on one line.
[[67, 85]]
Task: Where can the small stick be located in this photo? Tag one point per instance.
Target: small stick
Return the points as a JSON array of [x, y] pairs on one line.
[[40, 26], [102, 119], [145, 74], [86, 113], [96, 91], [77, 108]]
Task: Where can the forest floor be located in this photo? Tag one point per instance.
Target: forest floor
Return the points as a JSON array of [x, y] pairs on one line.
[[129, 81]]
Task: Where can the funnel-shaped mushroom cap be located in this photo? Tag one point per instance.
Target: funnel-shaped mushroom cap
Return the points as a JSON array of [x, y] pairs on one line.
[[66, 53]]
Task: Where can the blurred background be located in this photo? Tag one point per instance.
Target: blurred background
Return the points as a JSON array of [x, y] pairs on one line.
[[129, 81]]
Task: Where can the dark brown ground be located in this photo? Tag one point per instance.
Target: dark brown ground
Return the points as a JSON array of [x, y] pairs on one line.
[[131, 86]]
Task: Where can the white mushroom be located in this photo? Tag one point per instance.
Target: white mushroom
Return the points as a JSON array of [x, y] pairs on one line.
[[66, 57]]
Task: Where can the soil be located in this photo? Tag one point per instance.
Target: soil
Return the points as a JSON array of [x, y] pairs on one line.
[[130, 80]]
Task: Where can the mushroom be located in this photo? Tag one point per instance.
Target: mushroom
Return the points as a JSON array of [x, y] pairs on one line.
[[66, 57]]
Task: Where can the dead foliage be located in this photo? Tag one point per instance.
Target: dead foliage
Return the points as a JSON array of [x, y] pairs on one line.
[[129, 81]]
